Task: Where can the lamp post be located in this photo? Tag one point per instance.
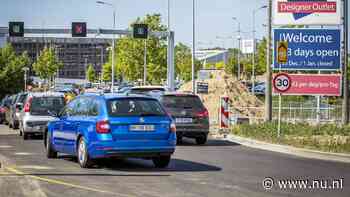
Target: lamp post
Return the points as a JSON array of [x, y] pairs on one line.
[[254, 41], [193, 45], [113, 39], [239, 48], [25, 69]]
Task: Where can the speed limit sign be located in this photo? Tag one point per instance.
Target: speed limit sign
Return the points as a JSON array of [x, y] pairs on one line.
[[282, 82]]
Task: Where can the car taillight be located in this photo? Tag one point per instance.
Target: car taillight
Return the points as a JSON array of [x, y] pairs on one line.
[[172, 128], [102, 126], [28, 104], [203, 114]]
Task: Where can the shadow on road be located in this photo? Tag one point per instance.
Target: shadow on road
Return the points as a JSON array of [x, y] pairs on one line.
[[210, 142], [141, 165]]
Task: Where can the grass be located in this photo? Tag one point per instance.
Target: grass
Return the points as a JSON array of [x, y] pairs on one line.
[[328, 137]]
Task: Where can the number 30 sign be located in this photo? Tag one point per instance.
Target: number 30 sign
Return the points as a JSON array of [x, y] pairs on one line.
[[282, 82]]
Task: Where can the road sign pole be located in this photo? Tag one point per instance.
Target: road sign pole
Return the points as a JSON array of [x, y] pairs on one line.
[[279, 115], [345, 110], [268, 91]]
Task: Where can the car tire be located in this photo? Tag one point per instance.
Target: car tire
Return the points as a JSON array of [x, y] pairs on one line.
[[83, 155], [179, 139], [161, 161], [10, 125], [25, 136], [50, 152], [202, 140]]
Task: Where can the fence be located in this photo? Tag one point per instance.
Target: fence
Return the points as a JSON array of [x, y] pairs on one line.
[[293, 112]]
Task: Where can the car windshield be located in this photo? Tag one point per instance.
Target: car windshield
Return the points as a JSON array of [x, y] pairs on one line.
[[134, 107], [42, 105], [182, 102]]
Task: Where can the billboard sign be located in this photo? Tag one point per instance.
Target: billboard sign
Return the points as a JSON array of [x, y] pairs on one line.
[[306, 12], [248, 46], [307, 49], [308, 84]]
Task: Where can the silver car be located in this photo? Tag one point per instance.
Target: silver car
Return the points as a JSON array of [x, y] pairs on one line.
[[38, 111]]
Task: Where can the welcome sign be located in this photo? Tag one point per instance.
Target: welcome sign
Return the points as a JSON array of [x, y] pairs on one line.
[[306, 12]]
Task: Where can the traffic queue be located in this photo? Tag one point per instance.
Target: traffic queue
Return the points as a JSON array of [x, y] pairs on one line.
[[136, 121]]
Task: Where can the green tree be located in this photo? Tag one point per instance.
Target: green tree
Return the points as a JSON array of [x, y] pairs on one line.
[[11, 70], [183, 62], [47, 64], [91, 73]]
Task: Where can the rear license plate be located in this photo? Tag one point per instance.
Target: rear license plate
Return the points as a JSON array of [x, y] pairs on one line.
[[141, 128], [184, 120], [39, 128]]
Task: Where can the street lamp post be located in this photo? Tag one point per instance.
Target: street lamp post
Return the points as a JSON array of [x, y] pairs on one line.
[[254, 41], [239, 48], [25, 69], [113, 40], [193, 45], [145, 63]]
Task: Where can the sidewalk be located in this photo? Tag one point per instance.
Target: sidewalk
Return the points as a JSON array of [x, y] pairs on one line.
[[301, 152]]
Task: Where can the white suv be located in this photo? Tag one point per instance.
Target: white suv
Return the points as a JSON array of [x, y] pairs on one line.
[[37, 112]]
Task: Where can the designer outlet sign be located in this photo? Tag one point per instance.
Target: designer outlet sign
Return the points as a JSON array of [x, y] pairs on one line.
[[307, 12]]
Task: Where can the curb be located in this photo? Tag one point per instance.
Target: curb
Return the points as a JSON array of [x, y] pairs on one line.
[[300, 152]]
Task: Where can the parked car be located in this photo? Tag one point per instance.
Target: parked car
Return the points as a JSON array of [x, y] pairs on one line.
[[100, 126], [146, 90], [8, 106], [190, 115], [15, 109], [36, 112], [3, 110]]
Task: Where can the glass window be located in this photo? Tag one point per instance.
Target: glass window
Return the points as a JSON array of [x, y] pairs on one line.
[[134, 107], [42, 105], [182, 102]]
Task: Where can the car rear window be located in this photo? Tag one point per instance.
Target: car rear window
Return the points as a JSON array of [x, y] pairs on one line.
[[134, 107], [177, 101], [41, 105], [21, 98]]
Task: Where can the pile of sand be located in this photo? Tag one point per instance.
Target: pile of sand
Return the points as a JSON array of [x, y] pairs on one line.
[[242, 102]]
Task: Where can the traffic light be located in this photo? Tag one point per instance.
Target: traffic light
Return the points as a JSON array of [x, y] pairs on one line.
[[140, 31], [78, 29], [16, 29]]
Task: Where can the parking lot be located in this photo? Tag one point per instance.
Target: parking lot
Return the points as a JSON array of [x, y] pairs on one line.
[[219, 168]]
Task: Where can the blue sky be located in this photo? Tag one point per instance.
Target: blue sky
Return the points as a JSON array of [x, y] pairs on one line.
[[214, 18]]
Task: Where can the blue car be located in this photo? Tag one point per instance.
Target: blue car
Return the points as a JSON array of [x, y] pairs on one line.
[[104, 126]]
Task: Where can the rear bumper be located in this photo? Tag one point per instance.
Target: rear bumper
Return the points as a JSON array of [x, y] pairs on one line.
[[132, 148], [191, 131]]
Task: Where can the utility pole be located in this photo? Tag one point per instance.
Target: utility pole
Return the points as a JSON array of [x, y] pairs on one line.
[[239, 52], [268, 90], [145, 64], [345, 111], [193, 46]]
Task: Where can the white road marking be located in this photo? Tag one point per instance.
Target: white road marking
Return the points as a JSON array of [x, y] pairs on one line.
[[24, 153], [35, 167], [5, 146]]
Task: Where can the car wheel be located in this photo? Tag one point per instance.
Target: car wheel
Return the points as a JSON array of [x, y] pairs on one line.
[[83, 155], [162, 161], [201, 140], [15, 126], [10, 125], [178, 139], [25, 136], [50, 152]]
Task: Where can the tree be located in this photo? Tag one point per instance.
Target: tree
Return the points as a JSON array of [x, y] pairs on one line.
[[183, 62], [47, 64], [91, 73], [11, 70]]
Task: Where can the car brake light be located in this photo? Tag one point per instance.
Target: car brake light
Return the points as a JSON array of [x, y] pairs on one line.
[[102, 126], [203, 114], [172, 128], [28, 104]]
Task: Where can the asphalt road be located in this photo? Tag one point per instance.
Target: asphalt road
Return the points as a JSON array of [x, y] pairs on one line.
[[217, 169]]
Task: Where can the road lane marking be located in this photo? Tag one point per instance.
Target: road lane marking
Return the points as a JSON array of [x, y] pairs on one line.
[[24, 153], [35, 167], [5, 146], [58, 182]]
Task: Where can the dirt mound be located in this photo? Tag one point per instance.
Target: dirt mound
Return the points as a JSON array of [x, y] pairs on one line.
[[242, 102]]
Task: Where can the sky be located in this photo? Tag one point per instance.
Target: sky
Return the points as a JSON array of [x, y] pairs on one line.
[[213, 17]]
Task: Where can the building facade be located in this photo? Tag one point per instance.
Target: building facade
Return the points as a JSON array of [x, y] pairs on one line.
[[74, 53]]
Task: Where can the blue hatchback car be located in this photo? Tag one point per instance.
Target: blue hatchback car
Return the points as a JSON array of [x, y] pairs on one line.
[[103, 126]]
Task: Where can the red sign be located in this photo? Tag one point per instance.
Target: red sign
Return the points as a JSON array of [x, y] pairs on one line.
[[312, 84], [307, 7], [282, 82]]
